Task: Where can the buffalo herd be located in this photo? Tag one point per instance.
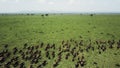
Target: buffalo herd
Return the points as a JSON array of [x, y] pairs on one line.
[[39, 56]]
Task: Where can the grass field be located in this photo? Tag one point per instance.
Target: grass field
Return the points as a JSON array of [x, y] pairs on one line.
[[66, 31]]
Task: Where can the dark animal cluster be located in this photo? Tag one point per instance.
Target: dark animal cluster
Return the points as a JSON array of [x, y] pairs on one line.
[[37, 56]]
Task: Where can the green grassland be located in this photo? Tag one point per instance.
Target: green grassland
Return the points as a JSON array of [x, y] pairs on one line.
[[16, 30]]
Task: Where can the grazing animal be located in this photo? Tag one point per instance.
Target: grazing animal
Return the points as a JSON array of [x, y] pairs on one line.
[[6, 45]]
